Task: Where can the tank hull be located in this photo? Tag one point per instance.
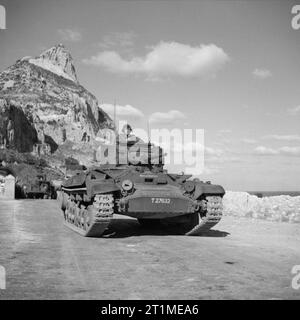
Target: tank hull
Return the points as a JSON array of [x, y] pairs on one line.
[[90, 200]]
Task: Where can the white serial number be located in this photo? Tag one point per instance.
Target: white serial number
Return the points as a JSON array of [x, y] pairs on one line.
[[161, 200]]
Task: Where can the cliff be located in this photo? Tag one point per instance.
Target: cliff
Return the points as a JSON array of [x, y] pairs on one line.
[[43, 105]]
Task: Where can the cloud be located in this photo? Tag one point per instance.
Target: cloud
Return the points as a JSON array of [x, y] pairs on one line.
[[287, 151], [126, 112], [290, 151], [294, 111], [164, 60], [166, 117], [70, 35], [262, 73], [293, 137], [118, 39], [264, 151]]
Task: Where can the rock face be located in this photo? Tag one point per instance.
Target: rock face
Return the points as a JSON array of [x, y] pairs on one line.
[[42, 104], [57, 60]]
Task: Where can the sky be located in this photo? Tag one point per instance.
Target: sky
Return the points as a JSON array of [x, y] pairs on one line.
[[230, 68]]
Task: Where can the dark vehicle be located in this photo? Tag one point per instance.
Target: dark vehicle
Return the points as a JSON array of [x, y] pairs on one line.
[[39, 188], [141, 190]]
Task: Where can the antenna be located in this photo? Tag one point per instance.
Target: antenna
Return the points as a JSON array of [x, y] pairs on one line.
[[115, 116], [149, 143], [148, 131], [116, 134]]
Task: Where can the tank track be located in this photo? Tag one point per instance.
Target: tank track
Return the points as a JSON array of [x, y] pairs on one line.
[[214, 208], [89, 220]]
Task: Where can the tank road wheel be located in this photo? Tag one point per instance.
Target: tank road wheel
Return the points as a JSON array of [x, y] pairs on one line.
[[81, 216], [86, 220]]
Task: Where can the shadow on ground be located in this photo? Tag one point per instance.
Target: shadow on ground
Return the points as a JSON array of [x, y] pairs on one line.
[[122, 228]]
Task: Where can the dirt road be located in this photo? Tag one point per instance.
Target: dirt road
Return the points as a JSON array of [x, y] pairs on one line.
[[241, 259]]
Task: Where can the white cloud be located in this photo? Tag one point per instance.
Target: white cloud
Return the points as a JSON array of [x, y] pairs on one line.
[[70, 35], [293, 137], [288, 151], [166, 117], [294, 111], [264, 151], [164, 60], [115, 39], [262, 73], [126, 112]]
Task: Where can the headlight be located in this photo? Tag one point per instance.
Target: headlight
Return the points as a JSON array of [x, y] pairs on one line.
[[189, 186], [127, 185]]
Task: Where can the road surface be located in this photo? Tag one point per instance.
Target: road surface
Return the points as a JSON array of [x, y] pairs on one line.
[[240, 259]]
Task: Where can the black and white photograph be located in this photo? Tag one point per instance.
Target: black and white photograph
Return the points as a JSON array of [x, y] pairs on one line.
[[149, 150]]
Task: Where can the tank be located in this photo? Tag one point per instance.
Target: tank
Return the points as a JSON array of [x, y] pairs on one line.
[[39, 187], [140, 189]]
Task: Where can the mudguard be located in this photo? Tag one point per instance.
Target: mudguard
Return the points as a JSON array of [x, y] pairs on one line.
[[94, 187], [208, 189]]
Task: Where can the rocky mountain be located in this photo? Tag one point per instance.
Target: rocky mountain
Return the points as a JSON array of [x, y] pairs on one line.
[[43, 105]]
